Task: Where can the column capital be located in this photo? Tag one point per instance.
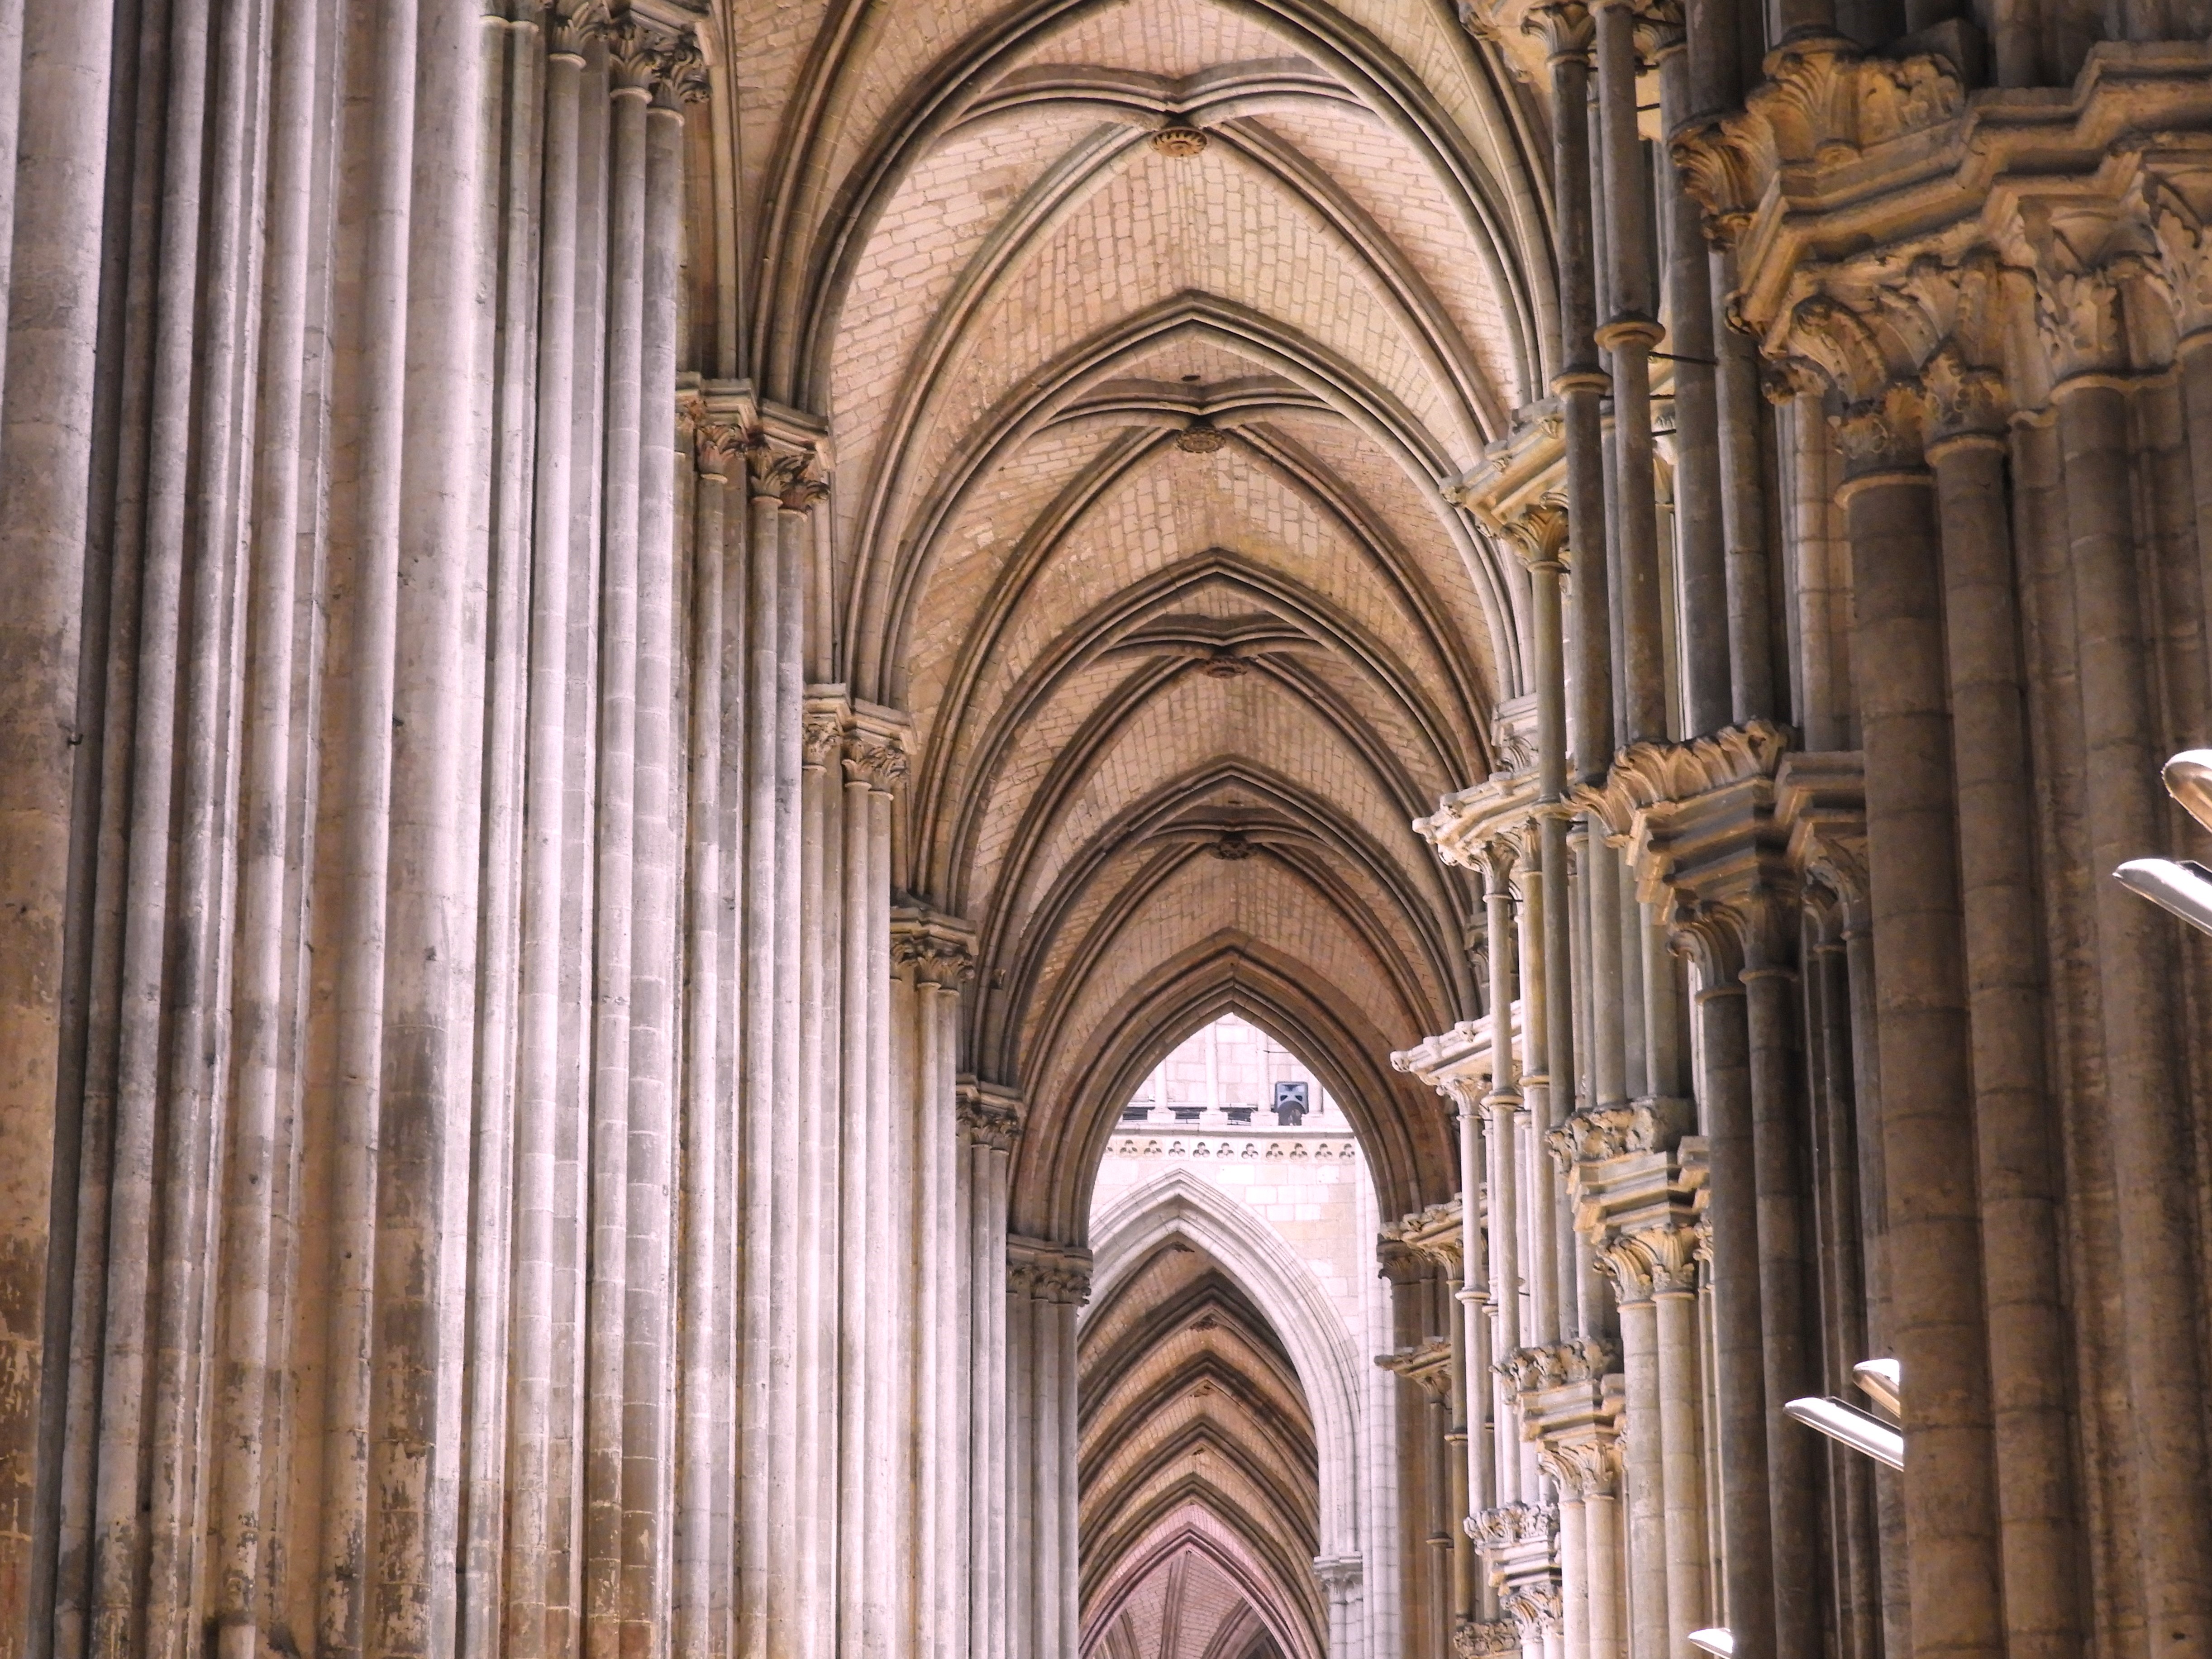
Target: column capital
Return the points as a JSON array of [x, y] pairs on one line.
[[1658, 1259], [1597, 1134], [784, 471], [1047, 1270], [938, 948], [828, 712], [1533, 1371], [717, 449], [1479, 1638], [989, 1115], [1565, 27], [875, 747]]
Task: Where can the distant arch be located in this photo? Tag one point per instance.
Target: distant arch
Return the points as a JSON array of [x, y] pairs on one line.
[[1180, 1205]]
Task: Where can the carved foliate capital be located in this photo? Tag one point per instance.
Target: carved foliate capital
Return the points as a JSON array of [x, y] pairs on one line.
[[875, 760], [936, 949], [1587, 1467], [1962, 398], [1583, 1360], [1656, 1260], [717, 451], [2177, 202], [570, 28], [1565, 27], [822, 736], [1659, 32], [1511, 1524], [1539, 533], [1886, 433], [1474, 1638], [1535, 1607], [1597, 1134], [1724, 166], [1047, 1271], [638, 53]]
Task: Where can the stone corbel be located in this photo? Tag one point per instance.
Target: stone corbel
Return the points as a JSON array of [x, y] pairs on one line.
[[1433, 1234], [1468, 827], [1427, 1366], [1819, 801]]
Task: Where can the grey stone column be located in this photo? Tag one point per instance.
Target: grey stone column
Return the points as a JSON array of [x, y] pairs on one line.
[[2136, 969], [1724, 1096], [1936, 1320], [2014, 1118]]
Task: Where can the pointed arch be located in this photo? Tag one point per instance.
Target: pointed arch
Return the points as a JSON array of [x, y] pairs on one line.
[[1178, 1205]]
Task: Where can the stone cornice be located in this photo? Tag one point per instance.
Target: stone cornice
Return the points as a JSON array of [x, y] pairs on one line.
[[1846, 175]]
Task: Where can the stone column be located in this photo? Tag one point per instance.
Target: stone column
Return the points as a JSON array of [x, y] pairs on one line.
[[702, 1292], [990, 1119], [2137, 960], [1936, 1322], [1630, 332], [1548, 999], [1738, 1383], [937, 952], [1046, 1284], [1703, 582], [2014, 1118]]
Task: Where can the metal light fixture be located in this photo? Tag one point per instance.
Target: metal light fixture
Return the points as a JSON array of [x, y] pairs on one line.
[[2182, 886], [1879, 1438]]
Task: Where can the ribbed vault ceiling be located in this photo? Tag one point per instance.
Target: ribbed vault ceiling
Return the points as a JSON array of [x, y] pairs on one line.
[[1198, 1479], [1140, 445]]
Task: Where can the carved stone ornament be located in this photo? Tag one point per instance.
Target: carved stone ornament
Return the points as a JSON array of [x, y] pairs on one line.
[[1539, 534], [1651, 1262], [775, 467], [1510, 1524], [940, 949], [570, 28], [1535, 1609], [1587, 1467], [1565, 27], [1474, 1638], [1179, 141], [1428, 1366], [875, 760], [1200, 438], [1597, 1133], [1589, 1359], [717, 451], [1048, 1271], [822, 735]]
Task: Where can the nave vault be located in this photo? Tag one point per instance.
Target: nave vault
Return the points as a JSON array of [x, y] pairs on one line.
[[665, 660]]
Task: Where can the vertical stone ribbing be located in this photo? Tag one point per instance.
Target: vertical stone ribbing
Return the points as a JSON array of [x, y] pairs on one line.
[[1935, 1312]]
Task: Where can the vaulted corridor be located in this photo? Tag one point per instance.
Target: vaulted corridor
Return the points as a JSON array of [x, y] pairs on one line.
[[1102, 829]]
